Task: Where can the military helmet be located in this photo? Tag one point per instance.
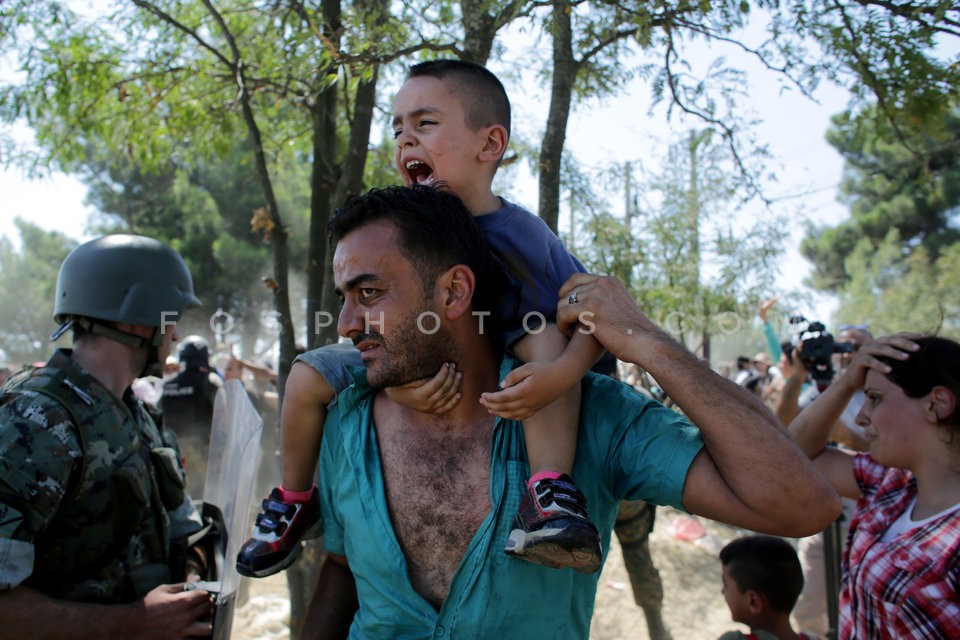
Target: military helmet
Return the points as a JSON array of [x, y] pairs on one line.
[[124, 278]]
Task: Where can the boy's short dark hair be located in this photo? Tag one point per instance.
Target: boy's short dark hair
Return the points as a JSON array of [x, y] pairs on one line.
[[767, 565], [484, 100]]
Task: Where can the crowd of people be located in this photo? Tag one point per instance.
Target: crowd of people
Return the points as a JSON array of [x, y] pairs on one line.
[[467, 478]]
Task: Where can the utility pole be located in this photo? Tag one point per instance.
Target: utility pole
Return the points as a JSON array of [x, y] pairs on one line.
[[694, 205], [628, 194]]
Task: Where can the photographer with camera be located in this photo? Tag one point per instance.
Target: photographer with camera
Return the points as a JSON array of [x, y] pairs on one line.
[[812, 366], [818, 358]]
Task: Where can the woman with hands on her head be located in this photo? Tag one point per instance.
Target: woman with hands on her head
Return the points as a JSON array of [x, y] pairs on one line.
[[901, 568]]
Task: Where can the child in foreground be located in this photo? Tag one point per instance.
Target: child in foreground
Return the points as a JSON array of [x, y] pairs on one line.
[[762, 579]]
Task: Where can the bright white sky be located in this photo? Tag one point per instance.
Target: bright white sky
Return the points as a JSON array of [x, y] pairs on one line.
[[617, 130]]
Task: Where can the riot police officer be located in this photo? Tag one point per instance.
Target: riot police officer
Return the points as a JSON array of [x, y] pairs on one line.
[[187, 404], [90, 495]]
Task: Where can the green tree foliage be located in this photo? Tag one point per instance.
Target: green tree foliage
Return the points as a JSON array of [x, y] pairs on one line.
[[207, 211], [913, 189], [27, 291], [883, 52], [160, 81], [687, 266], [894, 292], [168, 82]]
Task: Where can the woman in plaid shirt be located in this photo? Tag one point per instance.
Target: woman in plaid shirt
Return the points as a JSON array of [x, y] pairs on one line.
[[901, 566]]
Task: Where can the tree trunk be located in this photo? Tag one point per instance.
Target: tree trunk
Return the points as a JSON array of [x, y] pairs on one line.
[[323, 180], [561, 92], [479, 31], [350, 184]]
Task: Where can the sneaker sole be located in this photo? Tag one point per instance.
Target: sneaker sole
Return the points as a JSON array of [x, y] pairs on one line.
[[272, 569], [315, 531], [583, 557]]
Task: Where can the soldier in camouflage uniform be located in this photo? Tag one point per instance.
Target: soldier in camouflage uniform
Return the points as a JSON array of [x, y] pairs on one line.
[[90, 495], [633, 528]]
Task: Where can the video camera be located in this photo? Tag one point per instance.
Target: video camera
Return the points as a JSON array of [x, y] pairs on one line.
[[818, 349]]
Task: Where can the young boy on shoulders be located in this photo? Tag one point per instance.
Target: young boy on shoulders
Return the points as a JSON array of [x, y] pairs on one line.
[[452, 125]]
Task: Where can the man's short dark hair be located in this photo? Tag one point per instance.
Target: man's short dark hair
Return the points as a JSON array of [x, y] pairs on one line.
[[767, 565], [436, 233], [484, 99]]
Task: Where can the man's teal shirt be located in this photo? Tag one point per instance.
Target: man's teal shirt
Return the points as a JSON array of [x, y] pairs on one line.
[[629, 448]]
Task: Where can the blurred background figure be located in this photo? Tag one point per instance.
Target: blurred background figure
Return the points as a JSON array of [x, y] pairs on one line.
[[259, 379], [149, 389], [171, 367], [744, 371], [187, 405], [5, 372]]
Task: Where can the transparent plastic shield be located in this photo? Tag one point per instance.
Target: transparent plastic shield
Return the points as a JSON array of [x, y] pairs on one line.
[[228, 493]]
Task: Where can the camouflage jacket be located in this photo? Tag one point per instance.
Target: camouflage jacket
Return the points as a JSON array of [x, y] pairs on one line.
[[86, 483]]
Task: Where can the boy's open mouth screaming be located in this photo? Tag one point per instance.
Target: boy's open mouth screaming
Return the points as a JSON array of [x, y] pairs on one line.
[[420, 172]]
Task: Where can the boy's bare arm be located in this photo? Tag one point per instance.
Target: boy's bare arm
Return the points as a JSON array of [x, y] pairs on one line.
[[532, 386], [301, 425], [436, 395]]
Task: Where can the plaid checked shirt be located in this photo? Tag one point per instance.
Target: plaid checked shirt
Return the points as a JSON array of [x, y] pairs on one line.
[[908, 587]]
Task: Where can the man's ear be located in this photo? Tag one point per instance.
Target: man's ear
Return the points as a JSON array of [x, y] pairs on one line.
[[495, 139], [455, 291]]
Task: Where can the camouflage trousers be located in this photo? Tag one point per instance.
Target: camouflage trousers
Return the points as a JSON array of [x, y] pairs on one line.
[[633, 527]]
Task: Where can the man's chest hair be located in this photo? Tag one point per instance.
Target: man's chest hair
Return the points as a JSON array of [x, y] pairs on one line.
[[438, 493], [435, 472]]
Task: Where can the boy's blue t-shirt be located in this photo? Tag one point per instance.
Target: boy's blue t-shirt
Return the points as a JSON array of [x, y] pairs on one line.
[[534, 255]]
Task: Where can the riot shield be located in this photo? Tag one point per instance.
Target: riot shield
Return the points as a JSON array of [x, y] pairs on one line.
[[228, 494]]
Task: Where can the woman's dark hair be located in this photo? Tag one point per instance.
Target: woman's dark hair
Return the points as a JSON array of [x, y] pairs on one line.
[[436, 233], [767, 565], [935, 363]]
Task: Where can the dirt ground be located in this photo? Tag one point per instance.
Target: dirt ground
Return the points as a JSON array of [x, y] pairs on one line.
[[693, 608]]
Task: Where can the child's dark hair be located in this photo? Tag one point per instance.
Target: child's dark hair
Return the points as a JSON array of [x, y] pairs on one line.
[[767, 565], [935, 363], [436, 233], [484, 99]]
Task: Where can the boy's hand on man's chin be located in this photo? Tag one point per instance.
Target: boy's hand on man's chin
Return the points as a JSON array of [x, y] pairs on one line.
[[436, 395]]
